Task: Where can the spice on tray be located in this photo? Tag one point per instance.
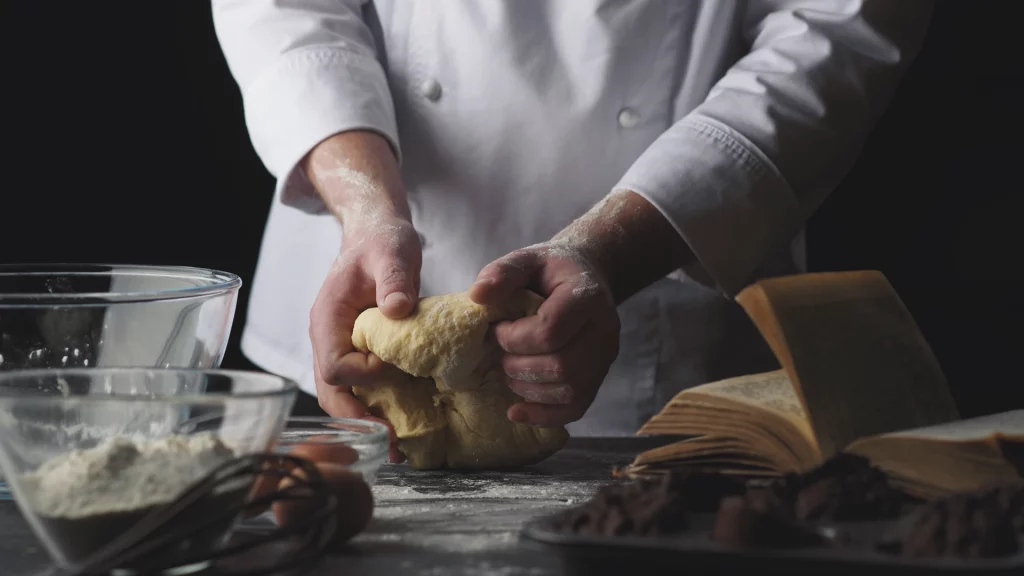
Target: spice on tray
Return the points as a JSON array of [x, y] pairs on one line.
[[844, 488], [978, 525], [805, 510], [644, 508], [759, 519]]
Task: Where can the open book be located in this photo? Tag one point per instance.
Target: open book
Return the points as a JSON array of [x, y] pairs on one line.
[[856, 376]]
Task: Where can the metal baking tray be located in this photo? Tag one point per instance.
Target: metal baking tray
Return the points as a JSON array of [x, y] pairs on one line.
[[694, 552]]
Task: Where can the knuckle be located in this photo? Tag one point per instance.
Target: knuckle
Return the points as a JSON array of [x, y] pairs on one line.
[[547, 334], [516, 259], [393, 274], [331, 374]]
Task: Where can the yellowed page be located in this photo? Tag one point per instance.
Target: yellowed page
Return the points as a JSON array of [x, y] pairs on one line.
[[766, 391], [1008, 424], [854, 354], [760, 412], [771, 391], [959, 456]]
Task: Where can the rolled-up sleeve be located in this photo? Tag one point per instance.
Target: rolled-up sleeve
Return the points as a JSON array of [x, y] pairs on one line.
[[307, 69], [739, 175]]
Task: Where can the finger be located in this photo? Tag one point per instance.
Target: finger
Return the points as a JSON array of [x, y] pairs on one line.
[[357, 369], [499, 279], [332, 317], [338, 402], [396, 279], [542, 392], [330, 331], [559, 318], [395, 456], [543, 415], [535, 368]]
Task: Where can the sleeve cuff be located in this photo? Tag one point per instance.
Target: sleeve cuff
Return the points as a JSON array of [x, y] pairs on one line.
[[727, 201], [306, 97]]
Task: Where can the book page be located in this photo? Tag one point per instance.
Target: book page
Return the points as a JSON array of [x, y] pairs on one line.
[[854, 354], [772, 390], [1009, 424]]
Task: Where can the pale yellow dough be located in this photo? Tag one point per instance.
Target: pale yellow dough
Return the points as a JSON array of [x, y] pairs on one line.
[[449, 408]]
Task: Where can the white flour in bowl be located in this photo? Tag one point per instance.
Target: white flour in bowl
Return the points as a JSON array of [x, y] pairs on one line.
[[83, 499], [121, 474]]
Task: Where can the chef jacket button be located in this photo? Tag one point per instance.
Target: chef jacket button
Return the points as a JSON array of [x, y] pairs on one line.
[[628, 118], [431, 90]]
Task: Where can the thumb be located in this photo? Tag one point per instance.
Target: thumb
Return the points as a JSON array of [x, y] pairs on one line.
[[397, 281], [499, 279]]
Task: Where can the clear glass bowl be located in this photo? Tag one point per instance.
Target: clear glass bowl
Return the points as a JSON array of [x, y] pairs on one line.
[[77, 448], [94, 315], [368, 439]]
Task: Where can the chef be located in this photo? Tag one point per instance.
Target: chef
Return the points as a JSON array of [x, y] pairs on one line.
[[637, 162]]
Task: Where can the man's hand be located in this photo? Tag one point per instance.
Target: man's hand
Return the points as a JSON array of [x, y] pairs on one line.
[[378, 265], [557, 359]]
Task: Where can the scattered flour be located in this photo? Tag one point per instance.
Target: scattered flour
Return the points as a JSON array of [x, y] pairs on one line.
[[484, 568], [122, 474], [587, 286], [362, 206], [482, 512], [580, 238], [536, 377], [548, 394]]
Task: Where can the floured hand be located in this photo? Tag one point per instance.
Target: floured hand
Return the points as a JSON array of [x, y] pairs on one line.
[[378, 265], [556, 359]]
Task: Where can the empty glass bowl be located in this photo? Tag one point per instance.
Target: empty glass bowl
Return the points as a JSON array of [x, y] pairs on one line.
[[361, 445], [88, 451], [93, 315]]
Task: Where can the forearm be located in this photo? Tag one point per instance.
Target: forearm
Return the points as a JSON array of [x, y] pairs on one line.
[[357, 175], [628, 242]]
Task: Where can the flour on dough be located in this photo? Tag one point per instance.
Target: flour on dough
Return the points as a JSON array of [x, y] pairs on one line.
[[449, 407]]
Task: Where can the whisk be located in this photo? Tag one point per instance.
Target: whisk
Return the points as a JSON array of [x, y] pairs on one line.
[[155, 544]]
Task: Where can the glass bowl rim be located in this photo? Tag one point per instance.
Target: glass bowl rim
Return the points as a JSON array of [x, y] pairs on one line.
[[288, 386], [379, 432], [220, 282]]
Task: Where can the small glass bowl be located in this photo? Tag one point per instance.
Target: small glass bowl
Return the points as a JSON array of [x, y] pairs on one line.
[[369, 440]]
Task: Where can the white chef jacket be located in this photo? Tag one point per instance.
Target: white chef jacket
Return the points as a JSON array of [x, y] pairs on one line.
[[734, 118]]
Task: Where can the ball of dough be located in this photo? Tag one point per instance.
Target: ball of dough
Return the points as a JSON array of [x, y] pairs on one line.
[[449, 408]]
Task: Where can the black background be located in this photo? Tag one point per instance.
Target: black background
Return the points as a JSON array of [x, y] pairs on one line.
[[125, 143]]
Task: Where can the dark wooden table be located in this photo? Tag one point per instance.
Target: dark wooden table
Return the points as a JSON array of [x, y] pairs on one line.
[[432, 523]]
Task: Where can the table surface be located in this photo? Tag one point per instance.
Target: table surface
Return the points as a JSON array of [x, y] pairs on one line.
[[432, 523]]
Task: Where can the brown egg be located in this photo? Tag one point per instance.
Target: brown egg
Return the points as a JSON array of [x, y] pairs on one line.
[[355, 502], [264, 484], [319, 449]]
